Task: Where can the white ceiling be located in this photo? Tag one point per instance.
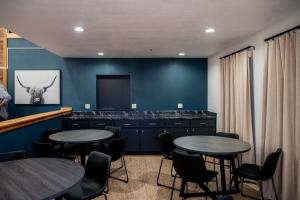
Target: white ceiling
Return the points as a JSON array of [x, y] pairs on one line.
[[129, 28]]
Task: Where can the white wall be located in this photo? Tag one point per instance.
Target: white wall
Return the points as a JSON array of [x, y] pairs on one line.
[[256, 40]]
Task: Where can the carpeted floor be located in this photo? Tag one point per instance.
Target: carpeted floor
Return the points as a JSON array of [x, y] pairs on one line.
[[142, 171]]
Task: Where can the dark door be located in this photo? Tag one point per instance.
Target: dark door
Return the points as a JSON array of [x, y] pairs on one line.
[[133, 139], [203, 131], [178, 132], [149, 139]]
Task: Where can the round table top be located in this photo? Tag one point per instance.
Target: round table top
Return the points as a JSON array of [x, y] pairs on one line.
[[81, 136], [212, 145], [38, 178]]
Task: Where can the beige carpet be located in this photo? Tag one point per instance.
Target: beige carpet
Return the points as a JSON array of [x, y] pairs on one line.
[[142, 171]]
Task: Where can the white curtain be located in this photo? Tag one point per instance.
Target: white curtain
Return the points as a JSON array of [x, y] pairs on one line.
[[281, 112], [236, 112]]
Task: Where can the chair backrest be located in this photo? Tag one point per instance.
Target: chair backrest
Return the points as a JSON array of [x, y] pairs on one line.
[[116, 148], [12, 155], [166, 143], [268, 169], [44, 150], [47, 133], [98, 167], [229, 135], [188, 166], [116, 130]]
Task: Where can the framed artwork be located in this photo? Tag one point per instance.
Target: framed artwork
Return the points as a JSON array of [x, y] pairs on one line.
[[37, 87]]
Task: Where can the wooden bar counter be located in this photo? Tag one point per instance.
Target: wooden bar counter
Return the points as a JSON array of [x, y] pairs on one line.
[[20, 122]]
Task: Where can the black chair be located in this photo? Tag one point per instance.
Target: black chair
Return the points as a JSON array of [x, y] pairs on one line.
[[227, 197], [116, 130], [46, 150], [95, 178], [167, 147], [47, 133], [260, 173], [12, 155], [66, 148], [191, 168], [99, 145], [116, 149]]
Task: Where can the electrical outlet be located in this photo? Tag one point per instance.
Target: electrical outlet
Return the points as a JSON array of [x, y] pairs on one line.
[[87, 106], [134, 106], [179, 105]]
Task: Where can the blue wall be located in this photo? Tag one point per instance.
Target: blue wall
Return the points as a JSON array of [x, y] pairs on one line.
[[156, 83]]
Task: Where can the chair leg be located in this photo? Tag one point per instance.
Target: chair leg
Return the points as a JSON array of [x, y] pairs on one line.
[[107, 189], [206, 194], [105, 196], [157, 180], [172, 169], [158, 176], [242, 185], [261, 190], [217, 184], [206, 189], [182, 188], [117, 168], [245, 195], [214, 164], [173, 185], [125, 169], [274, 188], [123, 165]]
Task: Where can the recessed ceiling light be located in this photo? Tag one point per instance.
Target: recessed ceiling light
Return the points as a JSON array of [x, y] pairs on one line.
[[78, 29], [100, 54], [210, 30], [181, 54]]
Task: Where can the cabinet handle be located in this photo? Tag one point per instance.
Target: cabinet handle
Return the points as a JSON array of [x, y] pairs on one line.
[[137, 131], [126, 124], [187, 130], [202, 123], [101, 124], [142, 131], [193, 130], [75, 124], [152, 124], [178, 123]]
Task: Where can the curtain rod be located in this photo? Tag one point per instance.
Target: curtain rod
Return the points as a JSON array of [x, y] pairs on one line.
[[248, 47], [279, 34]]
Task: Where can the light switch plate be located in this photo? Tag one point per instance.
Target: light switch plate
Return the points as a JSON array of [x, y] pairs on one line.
[[87, 106], [134, 106], [179, 105]]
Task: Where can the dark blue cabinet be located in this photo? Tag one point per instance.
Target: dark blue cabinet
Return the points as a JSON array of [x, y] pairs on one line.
[[178, 132], [149, 141], [203, 127], [133, 142], [100, 124], [142, 132]]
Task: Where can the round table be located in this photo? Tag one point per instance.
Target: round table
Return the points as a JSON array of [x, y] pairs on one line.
[[82, 137], [38, 178], [215, 146]]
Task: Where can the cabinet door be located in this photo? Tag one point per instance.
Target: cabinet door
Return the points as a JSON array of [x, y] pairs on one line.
[[178, 132], [149, 140], [100, 124], [133, 142], [203, 131], [75, 124]]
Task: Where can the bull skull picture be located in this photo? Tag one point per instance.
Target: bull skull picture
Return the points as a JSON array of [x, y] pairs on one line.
[[36, 92]]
